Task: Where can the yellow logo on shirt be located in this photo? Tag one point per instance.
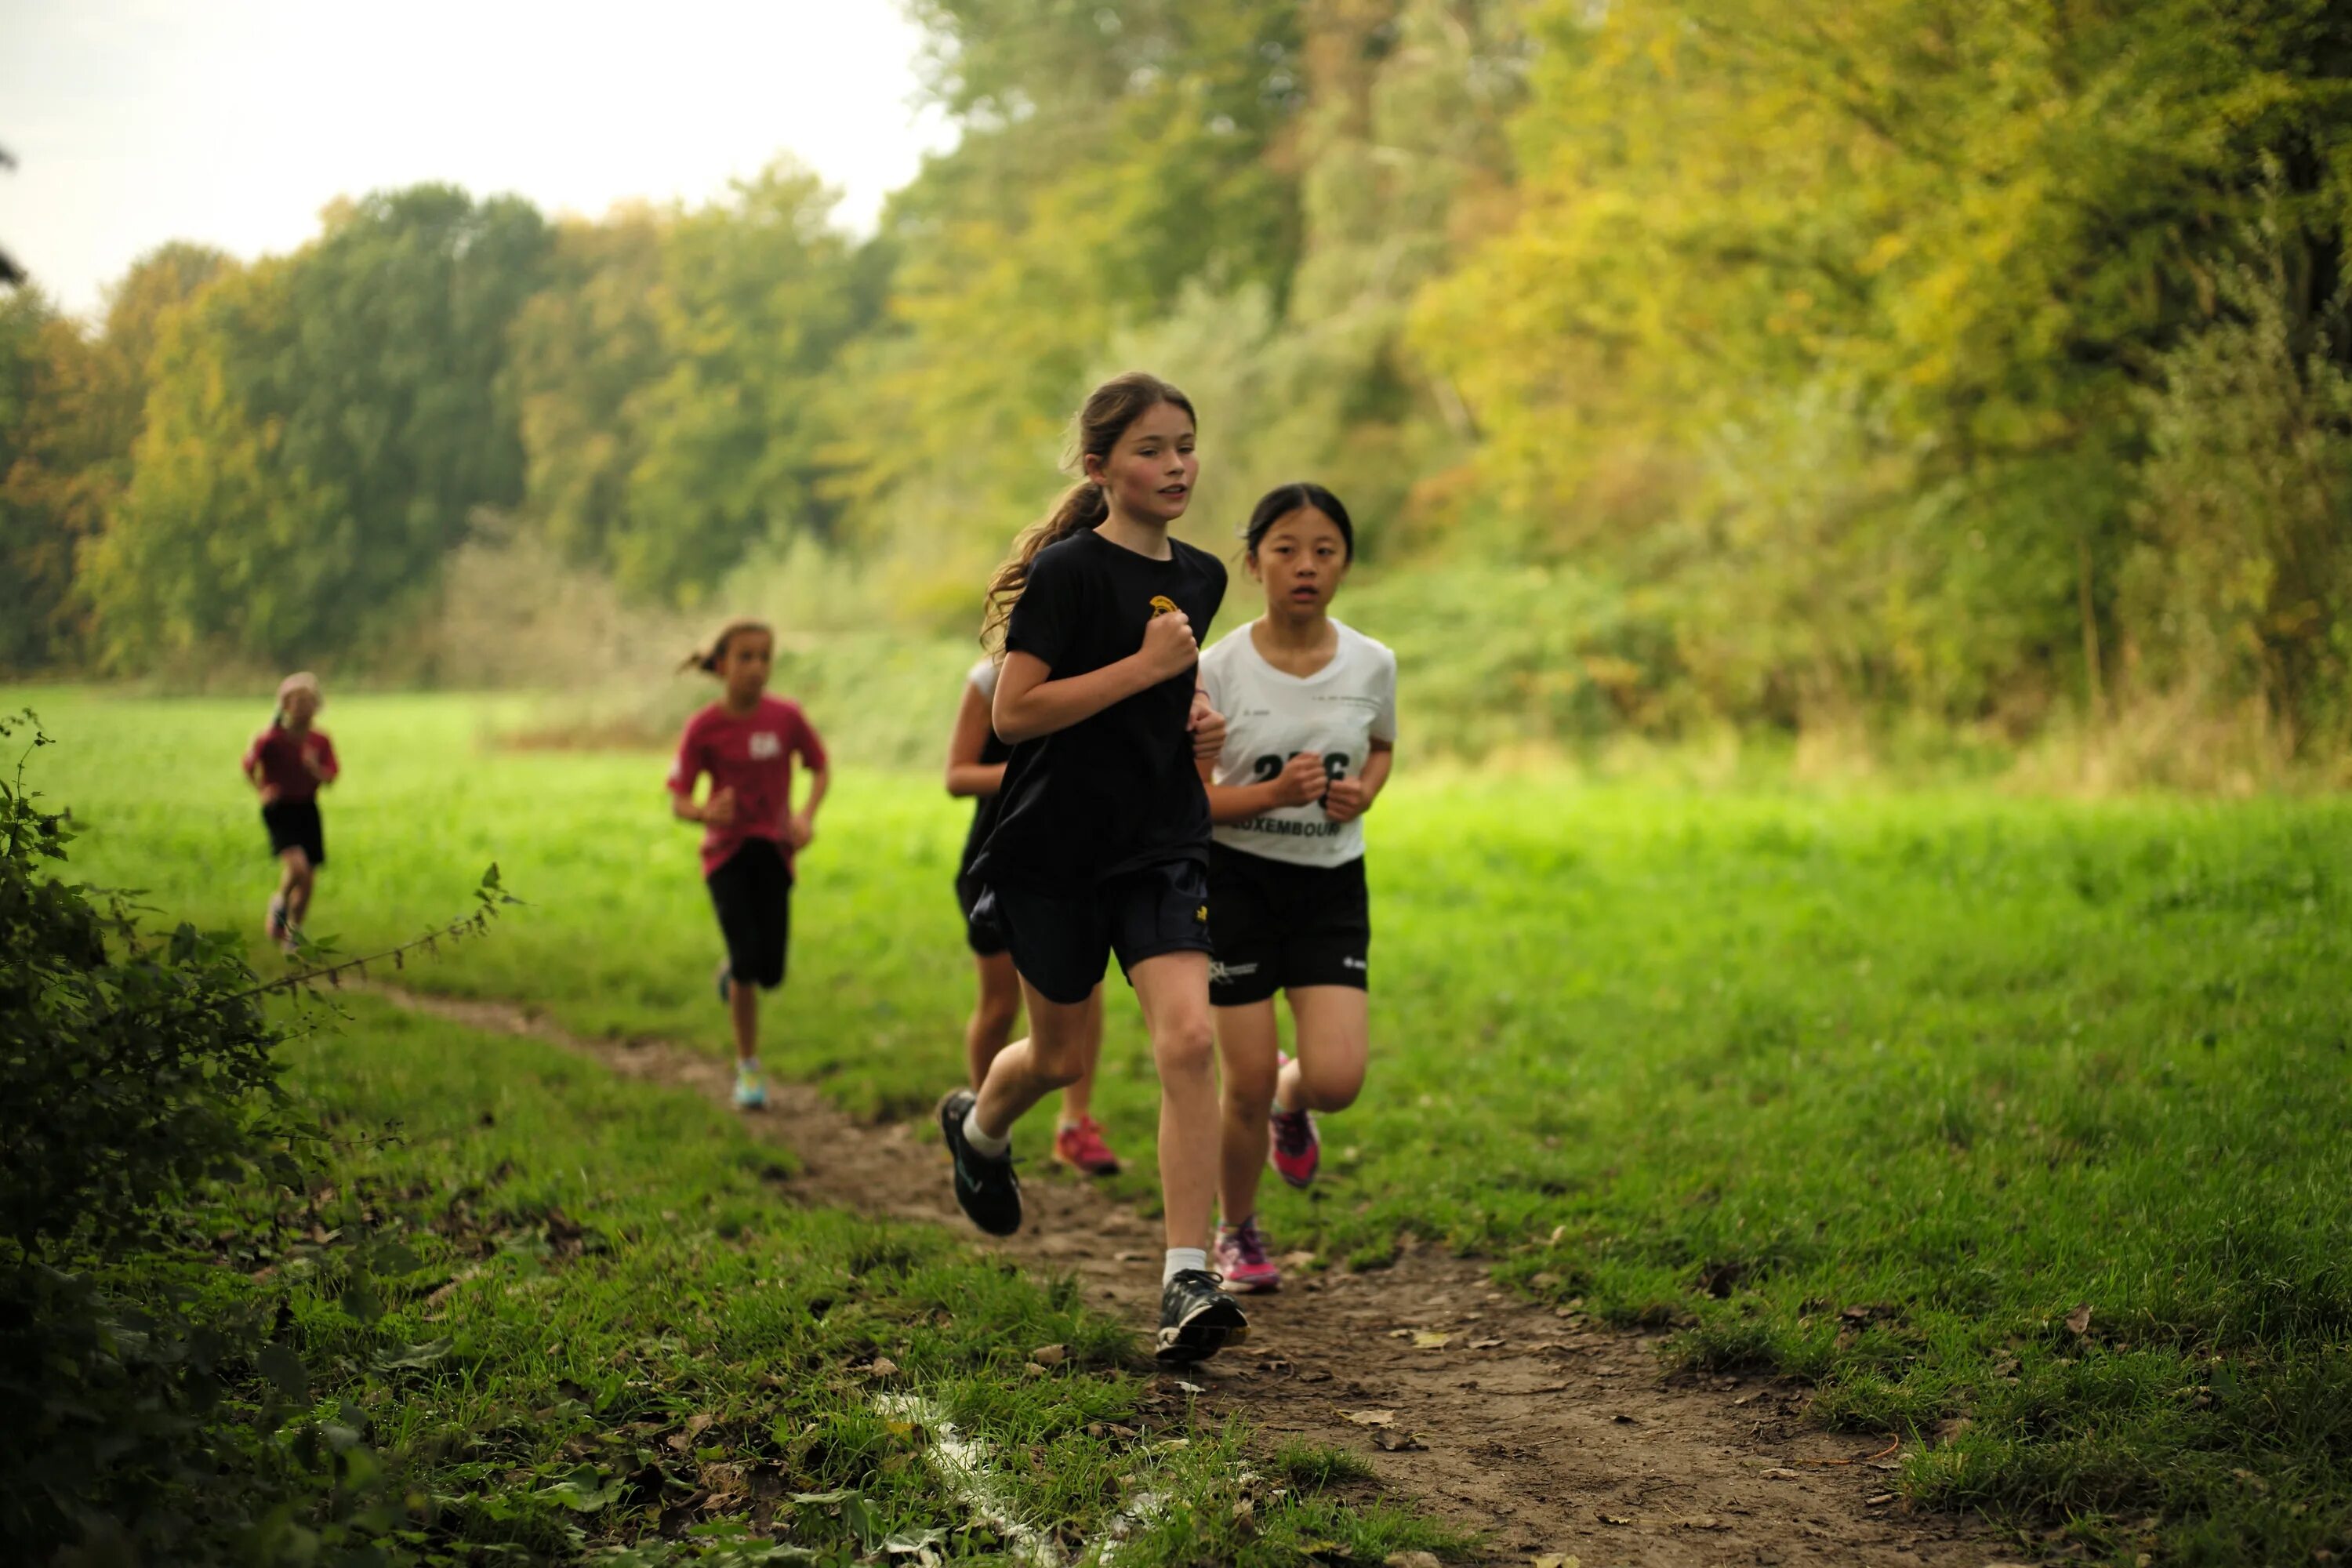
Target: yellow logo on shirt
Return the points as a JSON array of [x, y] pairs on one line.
[[1161, 605]]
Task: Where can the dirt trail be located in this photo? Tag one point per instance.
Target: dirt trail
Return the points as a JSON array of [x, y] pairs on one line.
[[1548, 1432]]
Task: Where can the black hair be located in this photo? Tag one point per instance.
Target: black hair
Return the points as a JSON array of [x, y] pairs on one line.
[[1283, 500]]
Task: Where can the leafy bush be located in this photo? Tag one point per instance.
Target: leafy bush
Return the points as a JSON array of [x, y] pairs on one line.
[[136, 1072]]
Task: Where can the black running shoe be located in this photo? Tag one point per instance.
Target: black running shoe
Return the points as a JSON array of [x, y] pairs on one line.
[[1197, 1319], [987, 1189]]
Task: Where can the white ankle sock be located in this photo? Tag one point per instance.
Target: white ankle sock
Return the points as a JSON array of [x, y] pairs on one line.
[[994, 1148], [1182, 1258]]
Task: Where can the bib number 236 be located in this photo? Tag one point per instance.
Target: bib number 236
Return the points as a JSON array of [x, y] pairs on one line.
[[1267, 768]]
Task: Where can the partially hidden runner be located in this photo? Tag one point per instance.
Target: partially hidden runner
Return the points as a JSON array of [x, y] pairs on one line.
[[288, 764], [1100, 845], [746, 743], [1312, 716], [976, 757]]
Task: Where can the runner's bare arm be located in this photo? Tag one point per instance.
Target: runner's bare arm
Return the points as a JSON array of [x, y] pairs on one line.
[[800, 826], [1031, 703], [967, 774], [1301, 781]]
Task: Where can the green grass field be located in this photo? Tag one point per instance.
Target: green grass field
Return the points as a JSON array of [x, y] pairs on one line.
[[1880, 1088]]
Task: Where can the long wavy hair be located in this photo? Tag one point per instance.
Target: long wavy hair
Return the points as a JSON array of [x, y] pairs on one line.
[[1110, 409]]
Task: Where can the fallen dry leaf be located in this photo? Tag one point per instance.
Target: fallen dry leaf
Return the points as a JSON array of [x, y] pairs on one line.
[[1612, 1519], [1369, 1417], [1190, 1387], [2078, 1322], [1782, 1473], [1880, 1501], [1554, 1560], [881, 1366], [1050, 1355], [1410, 1560], [1485, 1344], [1397, 1442], [1430, 1340]]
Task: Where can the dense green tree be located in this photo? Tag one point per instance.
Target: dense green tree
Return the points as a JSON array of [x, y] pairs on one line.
[[1833, 318], [319, 431], [45, 509], [587, 348]]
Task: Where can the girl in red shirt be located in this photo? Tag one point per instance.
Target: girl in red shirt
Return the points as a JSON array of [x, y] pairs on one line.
[[287, 764], [746, 741]]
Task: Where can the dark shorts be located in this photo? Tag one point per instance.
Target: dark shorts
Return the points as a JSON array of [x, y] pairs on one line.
[[752, 891], [294, 824], [1061, 945], [980, 930], [1280, 925]]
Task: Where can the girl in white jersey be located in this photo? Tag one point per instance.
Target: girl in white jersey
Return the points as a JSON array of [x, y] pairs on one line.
[[976, 759], [1310, 707]]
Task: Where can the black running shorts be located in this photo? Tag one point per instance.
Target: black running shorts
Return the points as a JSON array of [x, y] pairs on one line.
[[1280, 925], [981, 931], [752, 891], [1061, 945], [294, 824]]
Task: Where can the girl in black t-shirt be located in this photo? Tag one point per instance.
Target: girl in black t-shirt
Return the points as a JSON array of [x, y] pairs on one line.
[[1101, 839]]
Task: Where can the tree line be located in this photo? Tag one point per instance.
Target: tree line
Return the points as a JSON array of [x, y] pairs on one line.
[[1987, 364]]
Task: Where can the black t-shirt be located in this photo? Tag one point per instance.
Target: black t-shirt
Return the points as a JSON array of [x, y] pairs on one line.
[[1116, 791], [987, 808]]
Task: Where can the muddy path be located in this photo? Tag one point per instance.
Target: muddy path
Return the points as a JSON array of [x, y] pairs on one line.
[[1544, 1431]]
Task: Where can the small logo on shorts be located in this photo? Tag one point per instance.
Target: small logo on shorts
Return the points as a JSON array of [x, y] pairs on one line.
[[1221, 972], [1355, 963], [1201, 916]]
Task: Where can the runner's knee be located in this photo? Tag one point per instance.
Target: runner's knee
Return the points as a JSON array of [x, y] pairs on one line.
[[1184, 1045], [1329, 1088], [1249, 1085], [1057, 1063]]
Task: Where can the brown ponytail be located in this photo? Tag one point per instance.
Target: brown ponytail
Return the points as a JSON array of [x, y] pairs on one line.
[[711, 654], [1110, 409]]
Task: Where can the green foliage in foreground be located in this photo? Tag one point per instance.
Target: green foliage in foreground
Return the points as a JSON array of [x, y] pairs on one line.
[[134, 1068], [1879, 1090]]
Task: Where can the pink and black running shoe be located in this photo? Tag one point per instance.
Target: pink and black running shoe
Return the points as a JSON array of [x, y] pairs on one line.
[[1297, 1147], [1240, 1258], [1080, 1146]]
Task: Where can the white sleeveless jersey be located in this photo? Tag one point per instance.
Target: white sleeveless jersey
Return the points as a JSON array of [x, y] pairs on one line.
[[1271, 716]]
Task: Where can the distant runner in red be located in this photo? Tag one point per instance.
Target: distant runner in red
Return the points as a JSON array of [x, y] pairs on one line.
[[287, 764], [746, 743]]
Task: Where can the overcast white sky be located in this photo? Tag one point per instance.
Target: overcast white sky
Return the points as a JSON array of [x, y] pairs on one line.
[[233, 122]]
